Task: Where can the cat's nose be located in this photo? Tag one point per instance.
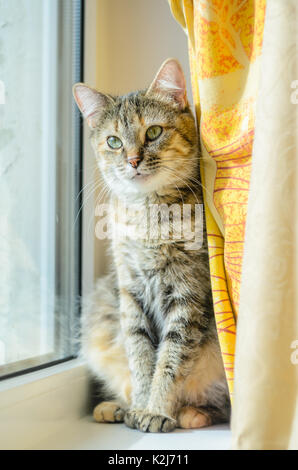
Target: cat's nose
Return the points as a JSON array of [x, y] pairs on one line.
[[134, 161]]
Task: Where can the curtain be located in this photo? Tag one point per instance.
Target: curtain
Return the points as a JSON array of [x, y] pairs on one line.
[[265, 414], [225, 41], [245, 98]]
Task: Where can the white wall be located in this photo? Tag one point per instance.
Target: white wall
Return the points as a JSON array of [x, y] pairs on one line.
[[135, 37], [126, 42]]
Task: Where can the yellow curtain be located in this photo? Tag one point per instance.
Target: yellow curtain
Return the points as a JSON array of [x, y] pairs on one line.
[[244, 103], [225, 42]]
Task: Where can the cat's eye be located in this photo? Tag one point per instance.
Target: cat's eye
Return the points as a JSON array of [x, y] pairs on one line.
[[114, 142], [153, 132]]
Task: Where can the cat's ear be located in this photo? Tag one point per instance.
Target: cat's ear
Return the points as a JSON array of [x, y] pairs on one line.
[[170, 81], [90, 102]]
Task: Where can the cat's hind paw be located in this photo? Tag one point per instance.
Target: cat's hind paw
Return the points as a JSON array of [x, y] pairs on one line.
[[193, 418], [149, 422], [108, 412]]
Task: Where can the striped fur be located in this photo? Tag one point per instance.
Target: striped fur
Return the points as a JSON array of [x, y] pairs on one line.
[[148, 330]]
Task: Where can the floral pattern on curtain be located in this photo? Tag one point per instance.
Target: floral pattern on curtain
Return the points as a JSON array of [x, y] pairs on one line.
[[225, 44]]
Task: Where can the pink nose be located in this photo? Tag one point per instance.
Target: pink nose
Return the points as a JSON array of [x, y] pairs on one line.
[[134, 161]]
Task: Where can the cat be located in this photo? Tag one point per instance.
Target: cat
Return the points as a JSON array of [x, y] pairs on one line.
[[148, 329]]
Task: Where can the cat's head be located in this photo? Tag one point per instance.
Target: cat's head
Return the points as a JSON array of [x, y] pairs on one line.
[[144, 141]]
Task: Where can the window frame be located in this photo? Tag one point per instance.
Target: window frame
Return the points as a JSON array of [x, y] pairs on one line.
[[25, 396], [45, 360]]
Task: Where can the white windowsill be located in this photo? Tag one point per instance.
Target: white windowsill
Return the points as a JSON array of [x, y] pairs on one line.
[[47, 410], [37, 405], [88, 435]]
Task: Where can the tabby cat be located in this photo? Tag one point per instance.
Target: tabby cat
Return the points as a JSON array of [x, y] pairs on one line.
[[148, 330]]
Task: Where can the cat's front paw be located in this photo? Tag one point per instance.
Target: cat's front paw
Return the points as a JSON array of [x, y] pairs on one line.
[[131, 418], [108, 412], [149, 422]]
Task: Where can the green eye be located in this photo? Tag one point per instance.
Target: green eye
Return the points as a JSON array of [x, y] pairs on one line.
[[153, 132], [114, 142]]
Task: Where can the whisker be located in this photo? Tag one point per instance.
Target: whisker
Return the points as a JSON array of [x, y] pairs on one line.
[[85, 200], [103, 194], [183, 182], [87, 184], [201, 184], [192, 178], [180, 194]]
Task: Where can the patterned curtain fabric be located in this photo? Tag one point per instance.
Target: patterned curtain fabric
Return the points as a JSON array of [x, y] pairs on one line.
[[243, 100], [225, 43]]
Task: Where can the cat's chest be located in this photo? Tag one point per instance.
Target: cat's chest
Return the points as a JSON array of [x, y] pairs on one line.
[[147, 279], [147, 263], [151, 273], [154, 276]]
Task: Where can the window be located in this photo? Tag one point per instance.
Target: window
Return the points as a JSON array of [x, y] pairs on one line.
[[40, 179]]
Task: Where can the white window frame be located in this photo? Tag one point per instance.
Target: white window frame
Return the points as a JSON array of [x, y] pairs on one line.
[[48, 155], [35, 405], [57, 164]]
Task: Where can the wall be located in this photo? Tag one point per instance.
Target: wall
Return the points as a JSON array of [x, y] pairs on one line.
[[124, 50]]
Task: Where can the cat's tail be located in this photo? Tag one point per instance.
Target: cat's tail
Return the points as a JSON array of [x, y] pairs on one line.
[[101, 340]]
